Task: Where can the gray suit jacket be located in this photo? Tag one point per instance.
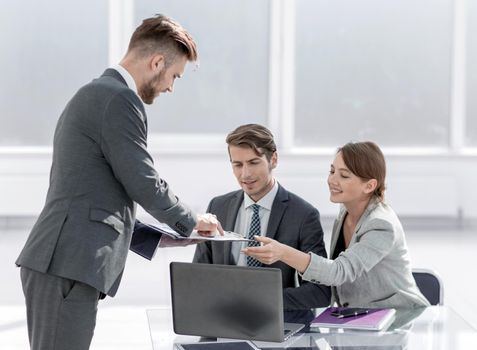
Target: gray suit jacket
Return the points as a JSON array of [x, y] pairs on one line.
[[100, 169], [375, 269], [292, 221]]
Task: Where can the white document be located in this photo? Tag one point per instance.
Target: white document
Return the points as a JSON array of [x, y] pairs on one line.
[[228, 235]]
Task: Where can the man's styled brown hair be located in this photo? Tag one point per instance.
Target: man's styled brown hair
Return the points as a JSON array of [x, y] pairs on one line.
[[254, 136], [162, 34], [365, 160]]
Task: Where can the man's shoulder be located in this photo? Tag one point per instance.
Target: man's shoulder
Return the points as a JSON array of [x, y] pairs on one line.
[[227, 197], [294, 200], [112, 84], [112, 94]]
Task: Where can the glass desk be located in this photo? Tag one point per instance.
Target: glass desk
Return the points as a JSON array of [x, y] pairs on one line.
[[435, 327]]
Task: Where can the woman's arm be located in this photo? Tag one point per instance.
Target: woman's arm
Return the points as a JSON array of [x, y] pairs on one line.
[[273, 251], [375, 244]]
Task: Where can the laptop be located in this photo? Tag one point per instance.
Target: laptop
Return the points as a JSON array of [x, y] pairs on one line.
[[227, 301]]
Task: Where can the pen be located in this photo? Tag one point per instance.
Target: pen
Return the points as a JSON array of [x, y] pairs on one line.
[[356, 313]]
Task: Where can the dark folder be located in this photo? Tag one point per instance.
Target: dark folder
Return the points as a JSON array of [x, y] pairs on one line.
[[145, 239]]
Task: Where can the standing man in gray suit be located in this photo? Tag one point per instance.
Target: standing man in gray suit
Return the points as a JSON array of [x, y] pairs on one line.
[[263, 207], [77, 250]]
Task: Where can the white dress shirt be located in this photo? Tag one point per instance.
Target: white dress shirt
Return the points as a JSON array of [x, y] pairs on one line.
[[126, 76], [244, 218]]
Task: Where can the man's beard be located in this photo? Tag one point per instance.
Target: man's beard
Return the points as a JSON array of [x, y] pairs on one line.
[[147, 92]]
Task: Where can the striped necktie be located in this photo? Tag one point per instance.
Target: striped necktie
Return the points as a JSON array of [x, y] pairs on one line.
[[254, 231]]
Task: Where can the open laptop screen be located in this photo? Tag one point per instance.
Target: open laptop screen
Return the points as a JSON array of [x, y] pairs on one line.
[[227, 301]]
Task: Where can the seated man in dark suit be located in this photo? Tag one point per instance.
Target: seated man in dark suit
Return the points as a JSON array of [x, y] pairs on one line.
[[264, 207]]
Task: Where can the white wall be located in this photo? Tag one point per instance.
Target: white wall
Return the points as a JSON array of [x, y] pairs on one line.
[[418, 186], [318, 74]]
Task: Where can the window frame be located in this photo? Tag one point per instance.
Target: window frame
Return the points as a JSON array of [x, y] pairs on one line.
[[281, 88]]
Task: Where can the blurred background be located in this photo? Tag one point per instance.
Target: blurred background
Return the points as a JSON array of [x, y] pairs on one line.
[[318, 73]]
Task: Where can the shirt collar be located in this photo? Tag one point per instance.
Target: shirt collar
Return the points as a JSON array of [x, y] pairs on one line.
[[266, 201], [127, 76]]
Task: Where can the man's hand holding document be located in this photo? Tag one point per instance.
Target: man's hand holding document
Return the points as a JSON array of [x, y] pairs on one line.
[[208, 225], [148, 237]]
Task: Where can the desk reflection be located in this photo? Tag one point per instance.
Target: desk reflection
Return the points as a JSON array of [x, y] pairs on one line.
[[435, 327]]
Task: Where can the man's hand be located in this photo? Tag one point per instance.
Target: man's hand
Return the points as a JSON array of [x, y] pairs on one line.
[[208, 225]]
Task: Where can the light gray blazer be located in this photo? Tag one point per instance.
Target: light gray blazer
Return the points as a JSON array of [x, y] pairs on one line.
[[100, 169], [375, 269]]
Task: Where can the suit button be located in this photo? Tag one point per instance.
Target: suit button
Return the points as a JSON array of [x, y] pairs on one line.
[[181, 227], [345, 304]]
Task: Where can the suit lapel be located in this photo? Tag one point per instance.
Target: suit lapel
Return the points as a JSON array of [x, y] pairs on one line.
[[280, 204], [231, 218], [369, 208], [336, 231], [339, 223]]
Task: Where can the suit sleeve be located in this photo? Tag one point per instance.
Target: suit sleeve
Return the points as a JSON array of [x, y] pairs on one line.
[[124, 143], [203, 251], [309, 295], [375, 243]]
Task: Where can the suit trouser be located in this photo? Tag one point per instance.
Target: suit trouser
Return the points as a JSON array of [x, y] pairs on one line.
[[61, 313]]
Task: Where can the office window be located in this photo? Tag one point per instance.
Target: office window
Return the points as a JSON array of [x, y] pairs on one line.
[[49, 49], [372, 69], [231, 85], [471, 64]]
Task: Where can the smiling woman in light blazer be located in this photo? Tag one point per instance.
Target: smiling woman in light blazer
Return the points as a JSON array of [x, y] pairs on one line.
[[370, 264]]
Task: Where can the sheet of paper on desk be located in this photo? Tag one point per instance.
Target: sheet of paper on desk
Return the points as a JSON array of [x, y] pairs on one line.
[[322, 344], [228, 345], [297, 341]]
